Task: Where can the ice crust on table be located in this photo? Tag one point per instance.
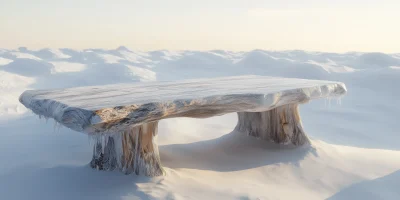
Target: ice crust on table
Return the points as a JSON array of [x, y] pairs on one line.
[[110, 108]]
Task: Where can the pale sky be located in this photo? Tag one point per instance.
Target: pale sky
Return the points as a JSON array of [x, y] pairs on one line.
[[316, 25]]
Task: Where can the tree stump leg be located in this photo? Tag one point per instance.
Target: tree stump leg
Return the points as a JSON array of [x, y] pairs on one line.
[[133, 151], [280, 125], [104, 158]]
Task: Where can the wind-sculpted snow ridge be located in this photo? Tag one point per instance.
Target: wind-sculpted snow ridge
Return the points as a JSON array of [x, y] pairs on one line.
[[111, 108]]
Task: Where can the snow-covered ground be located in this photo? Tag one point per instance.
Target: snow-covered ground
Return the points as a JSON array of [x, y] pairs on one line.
[[355, 152]]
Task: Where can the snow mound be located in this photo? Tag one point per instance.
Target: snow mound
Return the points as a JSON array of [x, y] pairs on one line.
[[29, 67], [110, 58], [62, 67], [259, 62], [24, 55], [143, 73], [51, 54], [10, 86], [165, 55], [101, 74], [382, 79], [4, 61], [194, 65], [376, 60], [135, 57], [332, 67]]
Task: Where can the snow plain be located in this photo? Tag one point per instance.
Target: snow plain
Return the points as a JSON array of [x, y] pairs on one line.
[[355, 153]]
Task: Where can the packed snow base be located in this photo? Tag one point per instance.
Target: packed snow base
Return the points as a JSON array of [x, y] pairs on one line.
[[354, 152]]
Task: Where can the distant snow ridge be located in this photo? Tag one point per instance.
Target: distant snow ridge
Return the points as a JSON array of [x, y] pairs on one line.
[[55, 68], [142, 73], [24, 55], [11, 85], [332, 67], [376, 60], [4, 61], [29, 67], [64, 67], [49, 54]]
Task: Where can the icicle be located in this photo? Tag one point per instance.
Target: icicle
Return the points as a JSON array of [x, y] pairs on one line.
[[55, 126], [136, 150], [338, 101], [329, 102], [59, 126], [90, 139], [118, 148]]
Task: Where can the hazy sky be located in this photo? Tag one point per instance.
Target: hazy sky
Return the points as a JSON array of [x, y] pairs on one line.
[[321, 25]]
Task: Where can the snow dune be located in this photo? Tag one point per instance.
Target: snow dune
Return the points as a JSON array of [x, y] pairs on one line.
[[354, 153]]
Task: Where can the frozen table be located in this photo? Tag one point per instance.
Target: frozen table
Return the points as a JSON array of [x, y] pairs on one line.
[[124, 117]]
